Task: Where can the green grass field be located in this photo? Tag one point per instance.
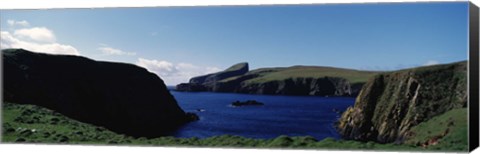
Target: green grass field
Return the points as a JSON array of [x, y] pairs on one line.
[[33, 124]]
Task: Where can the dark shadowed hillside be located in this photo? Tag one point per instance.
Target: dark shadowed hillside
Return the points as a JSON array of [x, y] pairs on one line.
[[121, 97]]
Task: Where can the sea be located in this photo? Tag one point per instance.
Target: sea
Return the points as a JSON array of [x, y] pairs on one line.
[[280, 115]]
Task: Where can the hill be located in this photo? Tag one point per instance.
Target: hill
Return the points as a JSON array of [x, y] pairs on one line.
[[295, 80], [122, 97]]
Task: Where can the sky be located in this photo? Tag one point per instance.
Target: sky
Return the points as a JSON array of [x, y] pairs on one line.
[[178, 43]]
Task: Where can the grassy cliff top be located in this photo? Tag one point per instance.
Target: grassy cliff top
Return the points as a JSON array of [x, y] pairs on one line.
[[272, 74], [457, 66], [353, 76], [237, 67]]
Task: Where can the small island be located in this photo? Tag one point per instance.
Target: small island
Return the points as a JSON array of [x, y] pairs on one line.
[[247, 103]]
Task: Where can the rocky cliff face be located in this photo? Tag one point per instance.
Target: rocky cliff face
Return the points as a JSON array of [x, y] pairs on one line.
[[121, 97], [326, 86], [391, 103]]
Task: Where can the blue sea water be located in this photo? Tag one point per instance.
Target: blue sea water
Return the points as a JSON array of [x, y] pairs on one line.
[[280, 115]]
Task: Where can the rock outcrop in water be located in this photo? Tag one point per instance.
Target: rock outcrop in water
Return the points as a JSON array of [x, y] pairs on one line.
[[121, 97], [391, 103], [247, 103], [297, 80]]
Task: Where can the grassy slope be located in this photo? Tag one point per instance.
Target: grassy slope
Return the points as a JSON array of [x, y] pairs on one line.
[[449, 129], [33, 124], [274, 74], [36, 124]]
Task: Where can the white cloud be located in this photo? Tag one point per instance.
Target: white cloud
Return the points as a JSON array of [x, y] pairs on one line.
[[11, 22], [9, 41], [36, 39], [174, 74], [19, 23], [431, 62], [162, 68], [213, 69], [37, 34], [113, 51]]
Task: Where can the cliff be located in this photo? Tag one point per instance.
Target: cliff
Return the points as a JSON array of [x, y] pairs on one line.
[[390, 104], [235, 70], [124, 98], [209, 82], [325, 86], [295, 80]]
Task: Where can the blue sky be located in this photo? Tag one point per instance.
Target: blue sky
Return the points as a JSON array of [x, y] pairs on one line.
[[180, 42]]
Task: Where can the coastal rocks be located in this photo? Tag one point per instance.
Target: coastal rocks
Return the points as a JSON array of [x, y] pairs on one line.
[[246, 103], [192, 116], [121, 97], [391, 103]]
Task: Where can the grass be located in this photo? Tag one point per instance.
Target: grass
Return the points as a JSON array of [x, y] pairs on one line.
[[33, 124], [353, 76], [30, 123], [449, 130]]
